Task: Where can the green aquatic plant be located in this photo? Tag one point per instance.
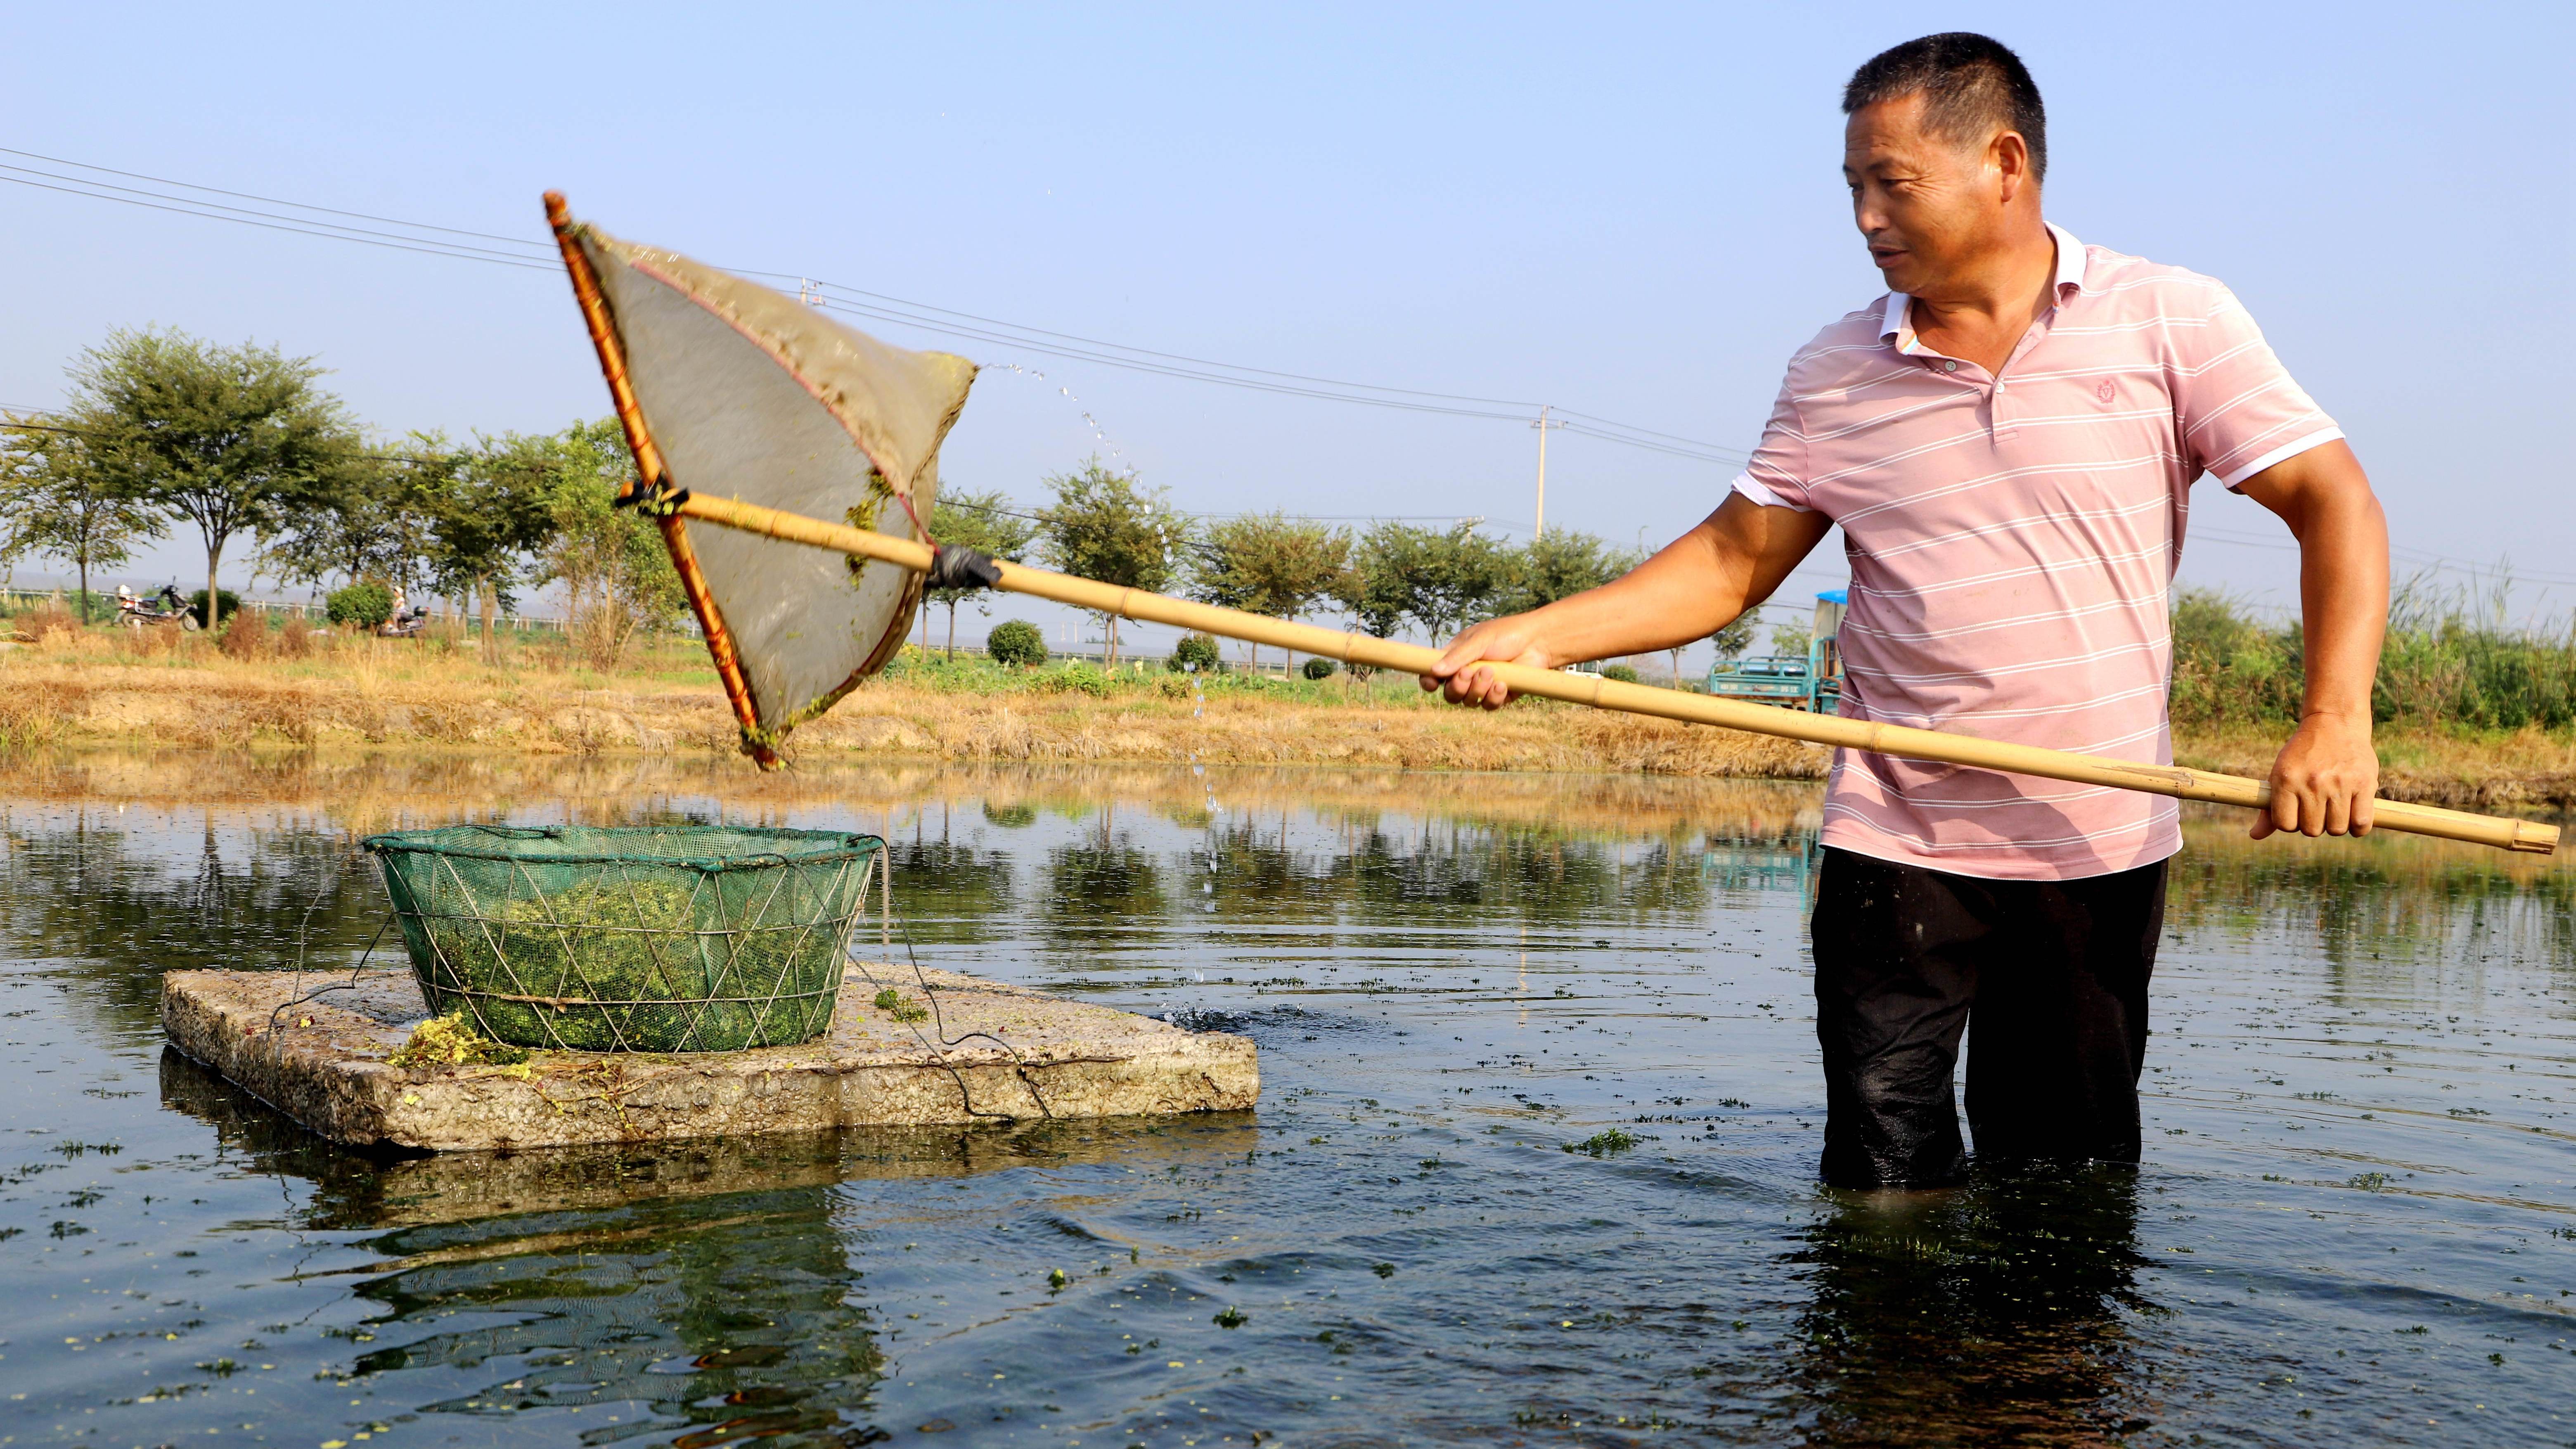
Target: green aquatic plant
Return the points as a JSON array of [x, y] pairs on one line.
[[893, 1003], [1602, 1144]]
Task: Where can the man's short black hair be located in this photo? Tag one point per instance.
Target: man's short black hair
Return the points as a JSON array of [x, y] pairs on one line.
[[1972, 85]]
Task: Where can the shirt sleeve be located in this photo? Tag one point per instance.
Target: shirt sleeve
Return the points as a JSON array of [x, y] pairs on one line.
[[1775, 476], [2239, 410]]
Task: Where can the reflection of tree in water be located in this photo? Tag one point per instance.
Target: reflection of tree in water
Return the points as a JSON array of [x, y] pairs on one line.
[[952, 893], [1535, 875], [725, 1315], [1103, 882], [118, 906], [1989, 1314], [1375, 878], [2380, 900]]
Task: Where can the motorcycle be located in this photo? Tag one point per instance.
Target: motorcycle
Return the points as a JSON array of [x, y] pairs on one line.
[[406, 623], [165, 607]]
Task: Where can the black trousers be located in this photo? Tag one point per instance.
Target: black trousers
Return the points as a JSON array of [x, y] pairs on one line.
[[2053, 975]]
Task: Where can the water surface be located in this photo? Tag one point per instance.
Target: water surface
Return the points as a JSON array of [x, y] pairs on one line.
[[2354, 1225]]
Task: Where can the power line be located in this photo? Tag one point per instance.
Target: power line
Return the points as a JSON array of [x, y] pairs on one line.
[[275, 201], [534, 255], [2419, 557]]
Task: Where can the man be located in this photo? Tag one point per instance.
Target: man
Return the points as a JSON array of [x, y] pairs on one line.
[[2008, 439]]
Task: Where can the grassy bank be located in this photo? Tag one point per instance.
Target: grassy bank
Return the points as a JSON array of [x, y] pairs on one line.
[[89, 687], [2236, 697]]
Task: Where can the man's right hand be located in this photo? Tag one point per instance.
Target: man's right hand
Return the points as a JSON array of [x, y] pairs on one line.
[[1461, 677]]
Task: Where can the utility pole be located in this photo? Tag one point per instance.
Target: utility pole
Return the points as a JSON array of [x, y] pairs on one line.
[[1540, 528]]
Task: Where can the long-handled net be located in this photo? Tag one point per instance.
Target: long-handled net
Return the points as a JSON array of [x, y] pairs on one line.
[[740, 487]]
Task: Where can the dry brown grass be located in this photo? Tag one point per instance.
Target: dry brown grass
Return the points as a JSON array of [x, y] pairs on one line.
[[48, 620], [2531, 769], [381, 692], [158, 687], [245, 636]]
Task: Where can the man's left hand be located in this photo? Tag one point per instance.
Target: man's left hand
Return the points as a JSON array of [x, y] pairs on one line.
[[2323, 780]]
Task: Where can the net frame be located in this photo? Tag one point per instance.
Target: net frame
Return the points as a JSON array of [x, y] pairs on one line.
[[519, 932], [889, 407]]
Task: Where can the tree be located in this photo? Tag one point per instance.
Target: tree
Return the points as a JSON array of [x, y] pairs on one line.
[[1103, 526], [983, 522], [617, 576], [363, 517], [56, 501], [1269, 564], [220, 436], [494, 513], [1557, 566], [1731, 641], [1440, 581]]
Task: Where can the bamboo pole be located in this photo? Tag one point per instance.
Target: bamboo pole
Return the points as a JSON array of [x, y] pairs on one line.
[[1913, 744]]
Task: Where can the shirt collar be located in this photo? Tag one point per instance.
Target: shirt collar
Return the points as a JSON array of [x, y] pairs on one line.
[[2070, 273]]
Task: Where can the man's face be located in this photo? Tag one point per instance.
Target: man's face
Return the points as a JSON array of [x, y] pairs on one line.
[[1926, 204]]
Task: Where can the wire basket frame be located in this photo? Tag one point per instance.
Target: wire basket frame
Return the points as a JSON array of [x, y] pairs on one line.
[[579, 938]]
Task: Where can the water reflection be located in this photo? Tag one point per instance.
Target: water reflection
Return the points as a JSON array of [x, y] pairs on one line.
[[1463, 988], [704, 1290], [1994, 1313]]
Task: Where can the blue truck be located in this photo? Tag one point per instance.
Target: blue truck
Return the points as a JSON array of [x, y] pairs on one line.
[[1813, 681]]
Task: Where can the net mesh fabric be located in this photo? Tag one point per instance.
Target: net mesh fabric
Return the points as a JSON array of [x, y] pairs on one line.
[[752, 396], [578, 938]]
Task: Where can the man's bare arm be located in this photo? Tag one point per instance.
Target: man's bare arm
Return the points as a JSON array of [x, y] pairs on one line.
[[1697, 586], [2323, 779]]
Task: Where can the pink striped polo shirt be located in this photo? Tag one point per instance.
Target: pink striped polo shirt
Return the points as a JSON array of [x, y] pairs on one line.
[[2012, 542]]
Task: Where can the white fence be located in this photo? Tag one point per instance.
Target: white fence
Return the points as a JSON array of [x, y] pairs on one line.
[[104, 602]]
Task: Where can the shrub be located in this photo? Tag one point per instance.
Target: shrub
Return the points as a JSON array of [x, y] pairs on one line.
[[2447, 663], [245, 636], [1199, 650], [1075, 679], [365, 605], [1623, 673], [1016, 643], [227, 604], [294, 637], [1318, 668]]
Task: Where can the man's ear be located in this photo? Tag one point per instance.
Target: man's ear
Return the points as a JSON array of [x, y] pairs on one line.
[[2009, 154]]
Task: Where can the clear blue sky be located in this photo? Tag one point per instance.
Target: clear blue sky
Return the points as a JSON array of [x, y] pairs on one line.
[[1635, 212]]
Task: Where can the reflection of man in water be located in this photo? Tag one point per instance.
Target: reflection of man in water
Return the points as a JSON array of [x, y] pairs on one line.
[[2008, 439], [1994, 1315]]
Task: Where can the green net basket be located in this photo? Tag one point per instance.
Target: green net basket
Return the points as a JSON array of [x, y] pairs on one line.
[[696, 939]]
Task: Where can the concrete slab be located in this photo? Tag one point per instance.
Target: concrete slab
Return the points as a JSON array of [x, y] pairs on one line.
[[324, 1064]]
